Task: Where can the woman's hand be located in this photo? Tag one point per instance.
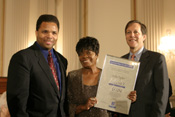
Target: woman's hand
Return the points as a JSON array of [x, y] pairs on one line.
[[90, 103], [167, 115], [132, 96]]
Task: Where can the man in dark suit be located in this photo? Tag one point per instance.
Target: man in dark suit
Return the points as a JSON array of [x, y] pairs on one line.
[[152, 85], [31, 88]]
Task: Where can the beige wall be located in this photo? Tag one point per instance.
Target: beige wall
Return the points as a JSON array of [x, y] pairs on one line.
[[109, 31], [106, 22]]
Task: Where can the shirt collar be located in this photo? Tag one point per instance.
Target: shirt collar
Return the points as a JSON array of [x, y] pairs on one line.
[[44, 51], [137, 54]]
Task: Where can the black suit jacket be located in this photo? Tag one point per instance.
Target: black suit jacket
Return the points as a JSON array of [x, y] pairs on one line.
[[31, 89], [152, 86]]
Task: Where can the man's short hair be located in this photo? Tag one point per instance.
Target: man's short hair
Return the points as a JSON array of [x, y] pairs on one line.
[[143, 27], [46, 18]]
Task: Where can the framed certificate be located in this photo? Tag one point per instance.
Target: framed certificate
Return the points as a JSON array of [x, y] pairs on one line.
[[117, 80]]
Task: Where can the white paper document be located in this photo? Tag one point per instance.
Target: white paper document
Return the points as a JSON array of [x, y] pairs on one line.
[[117, 80]]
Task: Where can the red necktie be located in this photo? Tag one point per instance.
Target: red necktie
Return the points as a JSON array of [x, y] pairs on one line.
[[52, 67], [133, 57]]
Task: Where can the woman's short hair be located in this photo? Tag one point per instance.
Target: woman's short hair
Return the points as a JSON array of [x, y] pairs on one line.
[[88, 43]]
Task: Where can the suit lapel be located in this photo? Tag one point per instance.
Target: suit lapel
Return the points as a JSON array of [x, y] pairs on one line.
[[62, 70], [43, 64], [143, 60], [126, 56]]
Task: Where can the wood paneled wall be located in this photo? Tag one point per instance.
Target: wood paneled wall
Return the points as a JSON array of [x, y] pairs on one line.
[[3, 84]]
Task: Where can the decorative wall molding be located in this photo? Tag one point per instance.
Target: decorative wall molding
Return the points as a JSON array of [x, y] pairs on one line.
[[158, 16], [2, 4], [150, 13], [133, 9]]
